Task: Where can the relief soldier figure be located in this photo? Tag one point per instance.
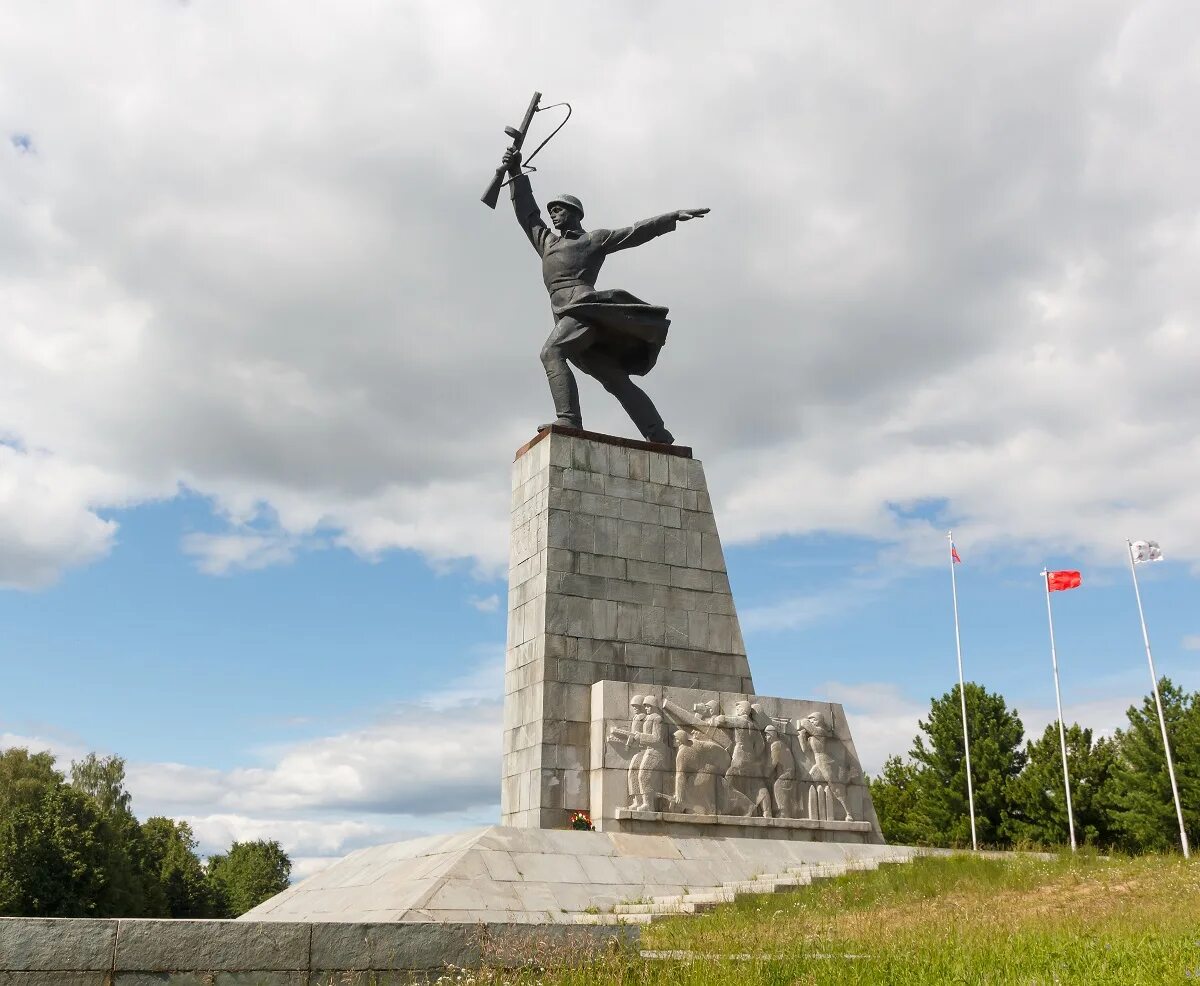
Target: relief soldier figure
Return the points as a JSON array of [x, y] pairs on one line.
[[698, 763], [651, 771], [629, 738], [746, 779], [647, 737], [832, 768], [783, 773], [608, 334]]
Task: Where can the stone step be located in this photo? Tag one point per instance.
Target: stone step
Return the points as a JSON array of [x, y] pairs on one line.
[[679, 905], [611, 919], [769, 885], [702, 901]]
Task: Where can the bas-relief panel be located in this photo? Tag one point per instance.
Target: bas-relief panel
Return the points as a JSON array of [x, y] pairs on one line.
[[737, 756]]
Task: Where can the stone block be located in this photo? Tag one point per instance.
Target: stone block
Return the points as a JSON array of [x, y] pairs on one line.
[[694, 520], [403, 946], [601, 505], [211, 946], [588, 586], [625, 489], [639, 465], [558, 529], [659, 471], [653, 627], [653, 544], [629, 539], [204, 978], [576, 479], [627, 591], [640, 511], [604, 619], [691, 578], [646, 571], [675, 627], [711, 556], [674, 547], [602, 565], [647, 656], [36, 944], [582, 535], [677, 472], [606, 531], [628, 621], [561, 560]]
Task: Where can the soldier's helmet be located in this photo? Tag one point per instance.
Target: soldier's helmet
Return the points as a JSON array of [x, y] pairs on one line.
[[568, 200]]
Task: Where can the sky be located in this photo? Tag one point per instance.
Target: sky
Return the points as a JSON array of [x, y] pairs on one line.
[[265, 359]]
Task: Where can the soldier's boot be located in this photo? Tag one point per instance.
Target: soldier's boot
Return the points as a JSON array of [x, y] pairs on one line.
[[563, 389]]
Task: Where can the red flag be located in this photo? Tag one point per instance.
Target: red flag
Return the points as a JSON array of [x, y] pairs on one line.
[[954, 554], [1059, 581]]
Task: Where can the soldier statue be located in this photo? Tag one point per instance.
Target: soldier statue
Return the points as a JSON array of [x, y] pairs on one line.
[[609, 335]]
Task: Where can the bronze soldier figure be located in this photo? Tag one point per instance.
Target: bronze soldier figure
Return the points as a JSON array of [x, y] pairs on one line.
[[610, 334]]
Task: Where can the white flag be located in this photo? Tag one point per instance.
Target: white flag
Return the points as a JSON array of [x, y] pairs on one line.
[[1146, 551]]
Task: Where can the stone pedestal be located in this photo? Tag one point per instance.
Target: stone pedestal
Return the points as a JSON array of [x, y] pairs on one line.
[[615, 574]]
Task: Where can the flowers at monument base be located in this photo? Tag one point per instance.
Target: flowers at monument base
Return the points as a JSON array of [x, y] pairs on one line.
[[581, 821]]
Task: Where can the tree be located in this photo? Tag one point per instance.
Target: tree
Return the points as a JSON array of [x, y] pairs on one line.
[[25, 776], [51, 851], [895, 795], [129, 889], [1144, 809], [248, 874], [1036, 798], [924, 801], [996, 758], [170, 854]]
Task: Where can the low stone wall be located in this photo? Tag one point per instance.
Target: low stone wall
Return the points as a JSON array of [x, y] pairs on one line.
[[134, 952]]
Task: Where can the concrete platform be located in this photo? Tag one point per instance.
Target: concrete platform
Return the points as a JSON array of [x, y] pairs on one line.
[[509, 875]]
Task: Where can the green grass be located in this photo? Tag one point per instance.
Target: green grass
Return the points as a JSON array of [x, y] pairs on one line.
[[958, 919]]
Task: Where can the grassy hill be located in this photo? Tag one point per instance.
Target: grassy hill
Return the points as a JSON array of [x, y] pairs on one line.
[[952, 919]]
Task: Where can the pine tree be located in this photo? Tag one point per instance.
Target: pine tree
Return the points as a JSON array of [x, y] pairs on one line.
[[1037, 800], [1144, 811]]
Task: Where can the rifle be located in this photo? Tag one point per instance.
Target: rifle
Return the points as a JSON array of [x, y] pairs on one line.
[[492, 195]]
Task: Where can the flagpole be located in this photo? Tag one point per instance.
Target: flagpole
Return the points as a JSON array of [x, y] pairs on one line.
[[1062, 733], [1162, 722], [962, 692]]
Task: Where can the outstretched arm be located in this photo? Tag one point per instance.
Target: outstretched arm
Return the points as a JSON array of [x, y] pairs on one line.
[[529, 216], [648, 229]]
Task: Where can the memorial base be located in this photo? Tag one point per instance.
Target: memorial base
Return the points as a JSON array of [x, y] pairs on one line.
[[539, 876]]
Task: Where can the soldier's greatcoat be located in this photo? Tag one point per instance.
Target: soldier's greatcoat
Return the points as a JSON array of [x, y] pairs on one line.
[[612, 320]]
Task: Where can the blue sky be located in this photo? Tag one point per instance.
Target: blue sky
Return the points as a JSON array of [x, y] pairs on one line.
[[264, 359], [144, 655]]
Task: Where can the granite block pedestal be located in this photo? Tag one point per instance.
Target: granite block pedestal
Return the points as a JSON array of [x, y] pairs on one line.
[[616, 573]]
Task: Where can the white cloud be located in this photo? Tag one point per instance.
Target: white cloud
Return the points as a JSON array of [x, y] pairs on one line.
[[958, 268], [301, 837], [883, 721], [415, 761], [1191, 641], [431, 765], [486, 604], [220, 554]]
